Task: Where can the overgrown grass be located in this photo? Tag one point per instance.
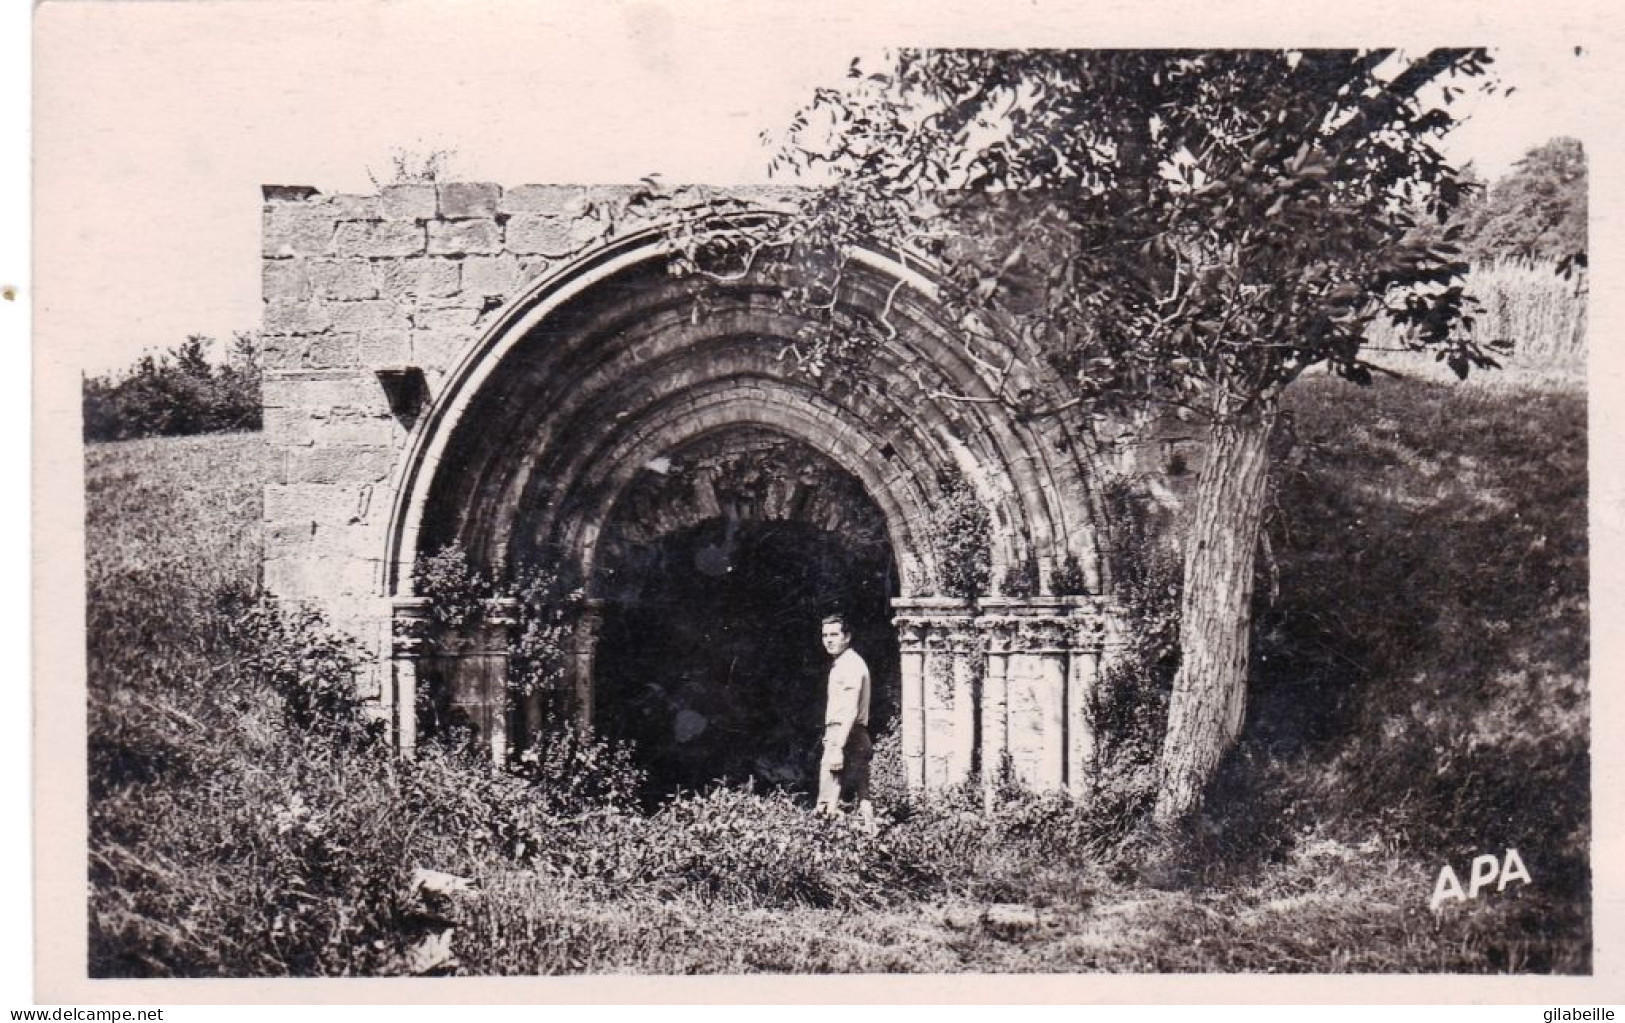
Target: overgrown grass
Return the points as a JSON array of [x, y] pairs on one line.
[[1421, 697], [1524, 302]]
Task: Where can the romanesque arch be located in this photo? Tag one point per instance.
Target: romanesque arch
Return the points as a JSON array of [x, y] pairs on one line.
[[534, 442]]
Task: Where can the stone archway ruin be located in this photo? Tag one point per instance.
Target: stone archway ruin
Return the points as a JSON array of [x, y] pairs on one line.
[[438, 372]]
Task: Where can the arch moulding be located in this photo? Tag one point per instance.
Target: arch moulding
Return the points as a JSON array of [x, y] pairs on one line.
[[489, 396]]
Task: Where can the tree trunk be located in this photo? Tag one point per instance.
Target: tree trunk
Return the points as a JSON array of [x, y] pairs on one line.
[[1210, 691]]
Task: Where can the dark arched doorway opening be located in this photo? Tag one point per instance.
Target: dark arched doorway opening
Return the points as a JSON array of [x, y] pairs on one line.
[[722, 559]]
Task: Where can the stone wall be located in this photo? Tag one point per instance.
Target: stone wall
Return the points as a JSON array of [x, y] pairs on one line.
[[358, 284]]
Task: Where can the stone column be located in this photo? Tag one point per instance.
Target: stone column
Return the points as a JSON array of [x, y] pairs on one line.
[[1092, 637], [1044, 646], [496, 633], [579, 683], [1045, 654], [911, 655], [473, 667], [409, 645], [965, 649], [938, 649], [995, 734]]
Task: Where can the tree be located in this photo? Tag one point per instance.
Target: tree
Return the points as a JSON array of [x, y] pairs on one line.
[[177, 392], [1537, 210], [1190, 230]]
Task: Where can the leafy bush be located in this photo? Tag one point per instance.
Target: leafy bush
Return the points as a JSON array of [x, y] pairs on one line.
[[961, 532], [1021, 579], [764, 849], [177, 392], [1069, 579], [253, 837], [574, 773], [888, 776], [1131, 705], [295, 652], [1535, 211], [544, 604]]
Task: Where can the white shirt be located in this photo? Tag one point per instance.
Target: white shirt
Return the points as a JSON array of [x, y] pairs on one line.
[[848, 694]]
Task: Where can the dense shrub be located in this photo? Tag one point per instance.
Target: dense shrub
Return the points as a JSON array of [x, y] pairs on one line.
[[1131, 704], [749, 849], [540, 602], [573, 772], [961, 532], [177, 392], [295, 653]]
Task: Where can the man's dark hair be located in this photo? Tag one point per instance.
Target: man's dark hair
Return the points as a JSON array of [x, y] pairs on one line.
[[838, 619]]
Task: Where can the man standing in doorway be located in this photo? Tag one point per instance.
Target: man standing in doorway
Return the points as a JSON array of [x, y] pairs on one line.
[[846, 723]]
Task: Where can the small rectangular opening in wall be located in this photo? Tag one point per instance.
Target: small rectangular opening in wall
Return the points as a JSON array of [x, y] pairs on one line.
[[407, 391]]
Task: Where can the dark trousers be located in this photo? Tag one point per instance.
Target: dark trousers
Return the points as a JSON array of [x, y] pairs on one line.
[[853, 777]]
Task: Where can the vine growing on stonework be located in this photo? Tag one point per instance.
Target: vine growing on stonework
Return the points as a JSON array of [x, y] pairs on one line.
[[542, 604], [961, 532]]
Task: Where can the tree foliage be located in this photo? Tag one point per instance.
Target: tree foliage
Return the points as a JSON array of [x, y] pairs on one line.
[[1192, 230], [1537, 210], [177, 392]]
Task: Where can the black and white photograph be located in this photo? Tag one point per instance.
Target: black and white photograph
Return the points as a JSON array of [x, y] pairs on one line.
[[769, 492]]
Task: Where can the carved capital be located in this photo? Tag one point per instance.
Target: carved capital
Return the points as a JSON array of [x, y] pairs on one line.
[[1092, 632], [501, 613], [963, 638], [931, 623], [411, 628], [1045, 635], [999, 633], [911, 633]]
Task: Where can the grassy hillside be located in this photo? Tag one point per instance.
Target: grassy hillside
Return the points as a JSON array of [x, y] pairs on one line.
[[1420, 698]]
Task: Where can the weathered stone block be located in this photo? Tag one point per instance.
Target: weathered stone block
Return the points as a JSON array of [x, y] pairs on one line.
[[284, 427], [354, 207], [282, 351], [385, 348], [446, 318], [532, 267], [312, 537], [369, 685], [343, 279], [330, 351], [338, 463], [287, 537], [539, 234], [307, 502], [327, 580], [439, 349], [459, 237], [294, 229], [371, 314], [338, 390], [461, 199], [284, 280], [407, 202], [429, 278], [298, 317], [491, 276], [375, 239], [351, 428], [555, 200]]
